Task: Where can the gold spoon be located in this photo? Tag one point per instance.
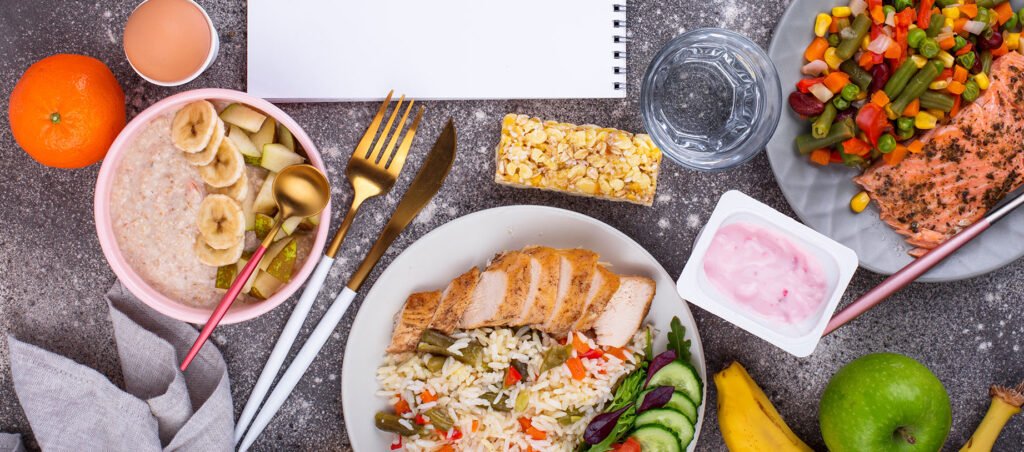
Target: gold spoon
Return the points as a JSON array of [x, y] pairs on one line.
[[300, 191]]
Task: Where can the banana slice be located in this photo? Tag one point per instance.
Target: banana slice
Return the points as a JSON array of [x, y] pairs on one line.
[[237, 191], [193, 126], [221, 222], [226, 168], [206, 156], [214, 257]]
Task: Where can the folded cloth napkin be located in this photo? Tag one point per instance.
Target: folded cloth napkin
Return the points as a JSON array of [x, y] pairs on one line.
[[72, 407], [11, 442]]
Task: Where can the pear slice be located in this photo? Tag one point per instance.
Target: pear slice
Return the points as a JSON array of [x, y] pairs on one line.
[[247, 287], [284, 136], [277, 157], [266, 135], [272, 252], [288, 227], [242, 116], [264, 285], [249, 151], [283, 263], [226, 275], [263, 225], [264, 202]]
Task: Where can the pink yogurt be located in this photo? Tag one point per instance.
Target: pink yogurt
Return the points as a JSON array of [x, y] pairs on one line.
[[764, 271]]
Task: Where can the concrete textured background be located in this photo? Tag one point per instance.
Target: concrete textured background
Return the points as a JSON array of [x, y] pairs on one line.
[[53, 274]]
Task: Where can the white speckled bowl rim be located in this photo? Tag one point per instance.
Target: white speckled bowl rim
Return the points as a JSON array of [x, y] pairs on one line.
[[239, 312], [821, 196]]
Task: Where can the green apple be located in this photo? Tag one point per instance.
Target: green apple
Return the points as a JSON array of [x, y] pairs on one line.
[[885, 402]]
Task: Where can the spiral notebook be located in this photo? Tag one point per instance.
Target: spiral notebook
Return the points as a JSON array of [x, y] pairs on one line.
[[339, 50]]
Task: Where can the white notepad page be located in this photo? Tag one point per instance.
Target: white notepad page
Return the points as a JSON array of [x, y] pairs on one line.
[[328, 50]]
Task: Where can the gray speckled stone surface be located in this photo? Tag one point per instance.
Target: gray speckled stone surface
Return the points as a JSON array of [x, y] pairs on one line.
[[53, 274]]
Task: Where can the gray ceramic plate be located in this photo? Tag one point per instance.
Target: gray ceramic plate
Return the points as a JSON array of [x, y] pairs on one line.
[[821, 196]]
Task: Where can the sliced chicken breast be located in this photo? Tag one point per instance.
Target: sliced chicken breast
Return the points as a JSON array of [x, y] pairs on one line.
[[454, 301], [522, 278], [503, 287], [541, 300], [577, 272], [414, 317], [625, 311], [602, 287]]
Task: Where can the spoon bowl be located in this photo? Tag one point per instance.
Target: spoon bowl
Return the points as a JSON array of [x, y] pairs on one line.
[[301, 191]]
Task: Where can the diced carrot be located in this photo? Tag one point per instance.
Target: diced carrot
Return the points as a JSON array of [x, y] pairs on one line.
[[579, 345], [402, 407], [894, 51], [947, 43], [525, 423], [912, 108], [446, 448], [960, 74], [958, 25], [965, 49], [956, 106], [866, 61], [915, 146], [956, 87], [474, 426], [856, 146], [617, 352], [576, 368], [537, 434], [836, 81], [970, 10], [426, 396], [816, 50], [877, 14], [833, 27], [821, 156], [1002, 50], [880, 98], [896, 155], [1004, 11]]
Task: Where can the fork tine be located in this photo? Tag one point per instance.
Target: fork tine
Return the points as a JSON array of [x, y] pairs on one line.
[[371, 131], [389, 150], [375, 154], [403, 150]]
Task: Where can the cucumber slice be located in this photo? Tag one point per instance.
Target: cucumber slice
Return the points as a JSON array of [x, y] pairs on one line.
[[670, 419], [655, 438], [277, 157], [679, 402], [242, 116], [681, 375], [245, 145]]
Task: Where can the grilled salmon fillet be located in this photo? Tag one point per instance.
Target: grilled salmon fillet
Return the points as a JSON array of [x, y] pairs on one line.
[[965, 167]]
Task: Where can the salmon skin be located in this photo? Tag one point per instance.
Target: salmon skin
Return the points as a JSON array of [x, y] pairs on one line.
[[965, 167]]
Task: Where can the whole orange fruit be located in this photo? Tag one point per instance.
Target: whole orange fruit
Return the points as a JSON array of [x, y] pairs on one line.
[[66, 110]]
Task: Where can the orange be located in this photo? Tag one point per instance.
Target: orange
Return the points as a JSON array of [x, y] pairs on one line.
[[66, 110]]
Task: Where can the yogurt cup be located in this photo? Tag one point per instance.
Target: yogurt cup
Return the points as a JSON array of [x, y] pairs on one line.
[[836, 262]]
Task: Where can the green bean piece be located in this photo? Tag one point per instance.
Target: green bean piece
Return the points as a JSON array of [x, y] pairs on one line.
[[857, 74], [439, 417], [555, 356], [990, 3], [833, 39], [436, 338], [886, 143], [842, 23], [520, 367], [986, 61], [916, 86], [497, 401], [850, 92], [852, 160], [959, 43], [905, 124], [840, 103], [899, 79], [929, 48], [936, 24], [915, 36], [472, 355], [966, 60], [859, 29], [390, 423], [1011, 23], [522, 401], [840, 131], [435, 363], [1020, 17], [902, 4], [945, 3], [821, 126], [937, 100], [971, 90], [984, 15]]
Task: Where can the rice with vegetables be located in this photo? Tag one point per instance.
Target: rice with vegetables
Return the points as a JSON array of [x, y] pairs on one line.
[[492, 407]]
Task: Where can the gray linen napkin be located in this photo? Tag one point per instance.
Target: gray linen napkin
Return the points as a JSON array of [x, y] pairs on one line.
[[72, 407], [11, 442]]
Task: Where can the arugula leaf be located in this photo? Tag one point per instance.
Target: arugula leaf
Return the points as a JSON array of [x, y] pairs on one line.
[[677, 340]]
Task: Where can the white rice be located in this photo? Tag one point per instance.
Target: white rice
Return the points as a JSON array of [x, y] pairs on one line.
[[458, 388]]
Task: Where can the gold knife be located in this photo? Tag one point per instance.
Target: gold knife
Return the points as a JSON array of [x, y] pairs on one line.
[[426, 184]]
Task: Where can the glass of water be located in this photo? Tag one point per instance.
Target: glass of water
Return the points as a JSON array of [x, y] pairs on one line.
[[711, 99]]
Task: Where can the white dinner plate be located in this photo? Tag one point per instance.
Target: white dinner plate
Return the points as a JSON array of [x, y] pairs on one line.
[[450, 250], [821, 196]]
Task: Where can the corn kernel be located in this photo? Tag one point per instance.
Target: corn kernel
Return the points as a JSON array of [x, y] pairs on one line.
[[889, 113], [859, 202], [938, 114], [842, 11], [1013, 41], [950, 23], [951, 12], [821, 24], [939, 85], [925, 121], [982, 80], [946, 59], [919, 61], [831, 59]]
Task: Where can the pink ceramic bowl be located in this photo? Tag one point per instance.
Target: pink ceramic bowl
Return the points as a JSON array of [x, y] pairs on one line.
[[136, 285]]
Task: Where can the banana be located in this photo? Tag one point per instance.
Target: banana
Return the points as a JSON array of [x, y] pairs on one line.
[[214, 257], [748, 420], [226, 168], [206, 156], [238, 191], [192, 127], [221, 222]]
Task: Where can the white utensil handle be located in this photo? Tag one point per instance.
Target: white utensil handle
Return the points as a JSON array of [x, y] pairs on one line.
[[299, 365], [284, 344]]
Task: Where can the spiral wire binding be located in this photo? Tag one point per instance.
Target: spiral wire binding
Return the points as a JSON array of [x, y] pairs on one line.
[[621, 40]]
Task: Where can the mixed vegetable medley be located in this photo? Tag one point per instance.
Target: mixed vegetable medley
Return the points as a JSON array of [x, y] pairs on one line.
[[880, 72]]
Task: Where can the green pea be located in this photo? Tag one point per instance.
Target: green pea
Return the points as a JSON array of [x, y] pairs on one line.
[[902, 4], [886, 143], [833, 39], [960, 42], [971, 90], [905, 124], [915, 36], [904, 135], [840, 103], [929, 48], [850, 92], [966, 60], [887, 9]]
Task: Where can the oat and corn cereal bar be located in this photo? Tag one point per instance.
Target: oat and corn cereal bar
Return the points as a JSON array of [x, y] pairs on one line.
[[582, 160]]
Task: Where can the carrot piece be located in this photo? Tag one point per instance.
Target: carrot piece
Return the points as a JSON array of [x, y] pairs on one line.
[[956, 106], [915, 146], [617, 352], [956, 87], [970, 10], [894, 51], [965, 49], [947, 43], [877, 14], [958, 25], [579, 345], [402, 407], [880, 98], [912, 108], [1002, 50], [960, 74], [1003, 12], [537, 434], [834, 26], [836, 81], [474, 426], [426, 396], [821, 156], [855, 146], [896, 155], [866, 61], [816, 49], [446, 448], [576, 368]]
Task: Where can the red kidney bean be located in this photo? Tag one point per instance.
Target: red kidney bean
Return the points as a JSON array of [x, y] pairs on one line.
[[805, 104], [993, 41], [844, 114], [880, 74]]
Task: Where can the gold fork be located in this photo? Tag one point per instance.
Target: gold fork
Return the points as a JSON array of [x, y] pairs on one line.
[[372, 170]]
